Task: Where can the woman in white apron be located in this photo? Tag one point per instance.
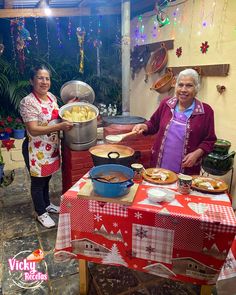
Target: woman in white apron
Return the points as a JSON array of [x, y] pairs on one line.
[[39, 111]]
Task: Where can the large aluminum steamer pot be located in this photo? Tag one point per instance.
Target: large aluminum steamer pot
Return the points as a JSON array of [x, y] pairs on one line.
[[81, 132]]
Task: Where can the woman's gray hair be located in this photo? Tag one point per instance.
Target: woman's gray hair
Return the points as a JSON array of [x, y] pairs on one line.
[[190, 73]]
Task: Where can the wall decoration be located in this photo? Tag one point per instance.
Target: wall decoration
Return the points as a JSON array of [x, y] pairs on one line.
[[58, 32], [220, 88], [69, 29], [161, 16], [48, 42], [36, 33], [204, 47], [139, 59], [20, 40], [178, 51], [80, 33]]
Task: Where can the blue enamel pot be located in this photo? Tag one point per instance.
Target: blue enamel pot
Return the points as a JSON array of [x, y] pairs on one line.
[[111, 189]]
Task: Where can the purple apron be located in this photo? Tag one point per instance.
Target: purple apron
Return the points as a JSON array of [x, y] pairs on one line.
[[174, 143]]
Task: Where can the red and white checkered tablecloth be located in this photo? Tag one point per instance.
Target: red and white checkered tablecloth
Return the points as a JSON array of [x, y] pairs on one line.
[[188, 239]]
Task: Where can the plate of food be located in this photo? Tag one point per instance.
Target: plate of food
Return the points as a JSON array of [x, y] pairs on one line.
[[209, 185], [159, 176]]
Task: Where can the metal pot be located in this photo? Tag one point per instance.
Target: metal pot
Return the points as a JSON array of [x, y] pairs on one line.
[[221, 147], [113, 154], [83, 135], [111, 189], [218, 164], [81, 132]]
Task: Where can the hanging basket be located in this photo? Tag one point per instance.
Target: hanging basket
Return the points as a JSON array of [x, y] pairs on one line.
[[157, 60], [165, 83]]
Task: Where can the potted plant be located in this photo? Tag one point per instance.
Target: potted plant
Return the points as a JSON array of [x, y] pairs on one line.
[[5, 127], [18, 128]]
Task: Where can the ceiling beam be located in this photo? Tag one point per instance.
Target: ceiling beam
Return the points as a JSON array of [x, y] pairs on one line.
[[8, 3], [57, 12]]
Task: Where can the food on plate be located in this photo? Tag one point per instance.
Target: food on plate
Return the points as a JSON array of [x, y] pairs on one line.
[[79, 114], [207, 183], [159, 174]]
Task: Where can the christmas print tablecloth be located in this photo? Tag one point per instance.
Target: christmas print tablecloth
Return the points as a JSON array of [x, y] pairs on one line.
[[189, 239]]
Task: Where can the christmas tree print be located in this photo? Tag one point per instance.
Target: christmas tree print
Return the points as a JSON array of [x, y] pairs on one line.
[[114, 257]]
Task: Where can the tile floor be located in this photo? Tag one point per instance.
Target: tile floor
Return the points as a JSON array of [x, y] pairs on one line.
[[19, 231]]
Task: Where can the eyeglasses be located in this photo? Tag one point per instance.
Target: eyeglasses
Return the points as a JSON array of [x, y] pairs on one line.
[[40, 78], [182, 85]]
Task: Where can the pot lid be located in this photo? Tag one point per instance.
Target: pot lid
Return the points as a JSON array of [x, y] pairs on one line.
[[78, 89], [123, 120]]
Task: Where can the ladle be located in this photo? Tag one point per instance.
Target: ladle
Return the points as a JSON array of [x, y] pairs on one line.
[[104, 178], [119, 137]]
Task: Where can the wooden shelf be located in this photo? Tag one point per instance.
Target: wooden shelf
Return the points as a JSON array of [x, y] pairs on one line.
[[220, 70], [154, 46]]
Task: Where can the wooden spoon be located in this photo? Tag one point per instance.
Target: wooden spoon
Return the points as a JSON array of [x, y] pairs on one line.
[[119, 137]]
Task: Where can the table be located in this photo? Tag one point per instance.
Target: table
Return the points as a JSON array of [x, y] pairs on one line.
[[187, 239]]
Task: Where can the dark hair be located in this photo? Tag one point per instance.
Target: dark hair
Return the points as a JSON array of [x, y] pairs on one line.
[[33, 71]]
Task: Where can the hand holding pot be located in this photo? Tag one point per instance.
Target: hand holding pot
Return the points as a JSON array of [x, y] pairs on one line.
[[66, 125]]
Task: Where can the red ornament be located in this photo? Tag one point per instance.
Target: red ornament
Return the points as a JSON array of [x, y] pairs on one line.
[[179, 51], [204, 47]]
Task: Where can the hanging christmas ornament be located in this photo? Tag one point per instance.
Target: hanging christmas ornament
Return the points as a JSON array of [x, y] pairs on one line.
[[58, 32], [48, 41], [1, 49], [20, 40], [179, 51], [161, 16], [36, 33], [23, 32], [204, 47], [80, 33]]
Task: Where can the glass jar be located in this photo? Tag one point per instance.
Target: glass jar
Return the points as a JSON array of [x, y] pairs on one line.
[[138, 172]]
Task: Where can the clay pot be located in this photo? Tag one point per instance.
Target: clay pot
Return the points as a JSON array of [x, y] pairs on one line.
[[157, 60], [165, 83]]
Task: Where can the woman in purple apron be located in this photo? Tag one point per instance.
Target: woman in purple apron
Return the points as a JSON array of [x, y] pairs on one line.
[[39, 111], [184, 128]]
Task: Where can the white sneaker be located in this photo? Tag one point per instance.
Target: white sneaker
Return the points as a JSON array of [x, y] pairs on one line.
[[46, 220], [53, 209]]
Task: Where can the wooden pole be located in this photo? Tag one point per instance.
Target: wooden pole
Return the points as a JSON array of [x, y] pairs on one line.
[[125, 47]]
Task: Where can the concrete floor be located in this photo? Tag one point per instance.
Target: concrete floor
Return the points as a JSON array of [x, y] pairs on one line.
[[19, 231]]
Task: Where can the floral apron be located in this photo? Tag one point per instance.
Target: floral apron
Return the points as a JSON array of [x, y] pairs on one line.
[[44, 156]]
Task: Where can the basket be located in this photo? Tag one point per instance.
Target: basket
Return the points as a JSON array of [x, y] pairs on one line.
[[157, 60], [164, 83]]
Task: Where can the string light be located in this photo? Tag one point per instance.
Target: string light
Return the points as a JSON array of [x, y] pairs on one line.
[[223, 17], [69, 29], [48, 43], [36, 33], [58, 32], [13, 42]]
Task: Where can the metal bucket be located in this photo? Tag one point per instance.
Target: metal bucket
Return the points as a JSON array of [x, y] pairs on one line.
[[81, 132]]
